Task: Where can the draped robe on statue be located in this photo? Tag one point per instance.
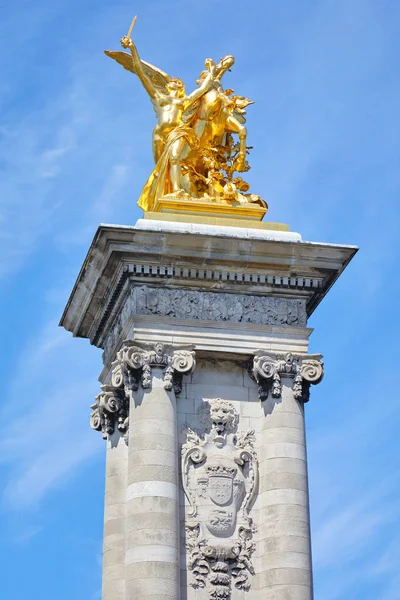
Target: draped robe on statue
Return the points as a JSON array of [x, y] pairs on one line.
[[159, 182]]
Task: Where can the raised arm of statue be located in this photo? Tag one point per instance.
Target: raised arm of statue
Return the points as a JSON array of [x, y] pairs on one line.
[[205, 84], [126, 42]]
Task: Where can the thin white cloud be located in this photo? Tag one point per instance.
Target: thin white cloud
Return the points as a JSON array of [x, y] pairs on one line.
[[354, 508], [48, 437]]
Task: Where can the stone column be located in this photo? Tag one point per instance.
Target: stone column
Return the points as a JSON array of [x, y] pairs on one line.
[[109, 416], [151, 376], [284, 551]]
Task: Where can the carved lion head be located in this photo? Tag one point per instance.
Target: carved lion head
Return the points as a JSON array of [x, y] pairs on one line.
[[223, 415]]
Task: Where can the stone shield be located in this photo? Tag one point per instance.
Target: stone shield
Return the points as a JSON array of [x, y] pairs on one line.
[[220, 489]]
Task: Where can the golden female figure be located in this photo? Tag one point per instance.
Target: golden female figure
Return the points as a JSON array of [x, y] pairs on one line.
[[170, 134]]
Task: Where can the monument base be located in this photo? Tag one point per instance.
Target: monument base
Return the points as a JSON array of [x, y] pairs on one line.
[[194, 206], [223, 221]]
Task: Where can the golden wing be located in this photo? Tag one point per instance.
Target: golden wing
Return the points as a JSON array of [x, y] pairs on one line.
[[190, 112], [157, 77], [241, 103]]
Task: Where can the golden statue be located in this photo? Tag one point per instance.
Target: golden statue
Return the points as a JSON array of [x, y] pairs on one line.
[[193, 146]]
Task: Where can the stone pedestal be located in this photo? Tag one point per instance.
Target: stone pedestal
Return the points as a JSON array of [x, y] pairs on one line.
[[206, 374]]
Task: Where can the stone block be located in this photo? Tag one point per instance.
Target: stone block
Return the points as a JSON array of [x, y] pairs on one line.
[[282, 435], [289, 559], [284, 513], [114, 511], [283, 527], [114, 526], [149, 457], [117, 481], [116, 463], [289, 592], [152, 489], [114, 572], [283, 465], [113, 589], [252, 409], [283, 543], [114, 556], [152, 473], [115, 496], [282, 450], [151, 570], [220, 372], [151, 537], [282, 419], [152, 589], [113, 541], [153, 410], [283, 496], [148, 441], [279, 480], [286, 576], [151, 553], [147, 504], [151, 426], [151, 520], [209, 391]]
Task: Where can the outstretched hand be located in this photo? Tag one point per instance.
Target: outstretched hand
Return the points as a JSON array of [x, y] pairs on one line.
[[126, 42]]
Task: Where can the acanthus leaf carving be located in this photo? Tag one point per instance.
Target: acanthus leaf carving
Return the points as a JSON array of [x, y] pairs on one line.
[[220, 480]]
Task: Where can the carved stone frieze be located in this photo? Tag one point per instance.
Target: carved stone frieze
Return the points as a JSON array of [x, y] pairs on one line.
[[268, 370], [207, 306], [220, 480], [132, 367]]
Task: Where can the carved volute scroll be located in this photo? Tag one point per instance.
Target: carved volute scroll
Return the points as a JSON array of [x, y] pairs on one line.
[[133, 367], [268, 369], [220, 480], [111, 409]]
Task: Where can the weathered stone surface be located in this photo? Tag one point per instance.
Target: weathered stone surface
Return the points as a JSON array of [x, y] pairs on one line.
[[227, 299], [220, 480], [207, 306]]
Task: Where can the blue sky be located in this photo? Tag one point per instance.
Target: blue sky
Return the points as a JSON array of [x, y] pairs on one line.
[[75, 151]]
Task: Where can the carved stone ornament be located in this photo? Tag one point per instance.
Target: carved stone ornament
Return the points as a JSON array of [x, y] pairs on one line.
[[207, 306], [220, 480], [110, 409], [131, 368], [268, 369]]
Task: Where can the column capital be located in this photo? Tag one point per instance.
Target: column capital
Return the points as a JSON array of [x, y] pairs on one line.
[[133, 367], [135, 361], [269, 368]]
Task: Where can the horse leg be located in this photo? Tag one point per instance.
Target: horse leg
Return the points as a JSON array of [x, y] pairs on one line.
[[233, 126]]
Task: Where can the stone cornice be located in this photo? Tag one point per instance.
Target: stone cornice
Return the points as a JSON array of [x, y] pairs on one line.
[[121, 252], [269, 369]]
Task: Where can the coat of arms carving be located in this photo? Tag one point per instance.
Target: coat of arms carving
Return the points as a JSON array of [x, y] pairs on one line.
[[220, 479]]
